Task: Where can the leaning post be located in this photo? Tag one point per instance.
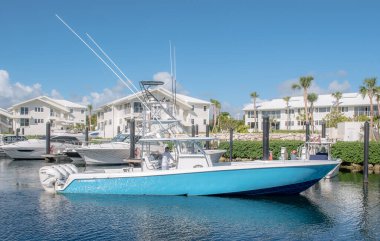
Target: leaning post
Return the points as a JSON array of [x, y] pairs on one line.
[[366, 150]]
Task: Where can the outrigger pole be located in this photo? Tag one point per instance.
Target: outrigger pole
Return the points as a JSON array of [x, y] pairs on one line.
[[109, 67]]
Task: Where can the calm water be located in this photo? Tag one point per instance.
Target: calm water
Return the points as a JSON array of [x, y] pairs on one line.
[[338, 209]]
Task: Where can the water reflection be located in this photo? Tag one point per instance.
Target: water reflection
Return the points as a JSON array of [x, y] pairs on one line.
[[158, 217], [341, 208]]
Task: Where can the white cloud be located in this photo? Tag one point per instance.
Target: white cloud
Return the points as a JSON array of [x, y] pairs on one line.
[[13, 93], [55, 94], [107, 95], [342, 87], [166, 78], [285, 88], [235, 111]]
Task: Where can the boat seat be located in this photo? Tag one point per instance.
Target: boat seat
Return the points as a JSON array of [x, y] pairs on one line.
[[319, 156], [150, 163]]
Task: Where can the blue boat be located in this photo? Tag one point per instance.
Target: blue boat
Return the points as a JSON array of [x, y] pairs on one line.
[[192, 174]]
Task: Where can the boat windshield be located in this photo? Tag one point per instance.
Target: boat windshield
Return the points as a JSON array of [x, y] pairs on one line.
[[120, 138], [124, 138]]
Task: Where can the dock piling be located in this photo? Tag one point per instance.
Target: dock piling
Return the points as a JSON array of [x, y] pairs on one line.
[[231, 142], [307, 131], [207, 135], [86, 136], [323, 129], [132, 139], [366, 150], [266, 138], [48, 137]]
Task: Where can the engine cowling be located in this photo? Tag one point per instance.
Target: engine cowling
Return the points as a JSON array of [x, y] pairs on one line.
[[50, 175]]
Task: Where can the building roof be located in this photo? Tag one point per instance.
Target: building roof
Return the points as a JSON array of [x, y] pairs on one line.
[[181, 99], [5, 113], [326, 100], [61, 104]]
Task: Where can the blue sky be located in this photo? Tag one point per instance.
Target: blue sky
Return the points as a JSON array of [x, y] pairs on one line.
[[225, 49]]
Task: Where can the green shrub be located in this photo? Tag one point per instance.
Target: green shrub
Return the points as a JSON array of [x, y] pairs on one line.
[[353, 152], [254, 149]]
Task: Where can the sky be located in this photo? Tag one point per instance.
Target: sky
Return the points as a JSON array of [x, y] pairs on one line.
[[225, 49]]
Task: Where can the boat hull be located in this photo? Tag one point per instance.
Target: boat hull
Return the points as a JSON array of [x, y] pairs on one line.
[[104, 156], [221, 181]]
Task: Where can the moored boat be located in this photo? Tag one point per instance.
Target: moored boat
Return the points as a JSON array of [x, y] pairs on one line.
[[192, 174]]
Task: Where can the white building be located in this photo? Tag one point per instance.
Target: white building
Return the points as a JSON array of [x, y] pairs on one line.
[[5, 121], [117, 114], [351, 105], [31, 116]]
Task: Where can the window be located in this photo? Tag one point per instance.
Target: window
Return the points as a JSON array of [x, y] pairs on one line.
[[291, 111], [38, 109], [109, 122], [82, 111], [71, 110], [204, 122], [252, 125], [192, 121], [192, 107], [24, 111], [51, 112], [251, 114], [204, 108], [344, 109], [137, 107], [289, 123], [37, 121], [24, 122], [127, 108]]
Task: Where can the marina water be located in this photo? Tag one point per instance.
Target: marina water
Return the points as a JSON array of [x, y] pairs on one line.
[[337, 209]]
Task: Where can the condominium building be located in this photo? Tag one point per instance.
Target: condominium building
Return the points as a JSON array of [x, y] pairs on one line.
[[5, 121], [281, 116], [30, 116], [116, 115]]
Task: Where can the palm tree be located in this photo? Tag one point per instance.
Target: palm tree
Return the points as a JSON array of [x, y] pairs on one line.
[[304, 83], [254, 96], [89, 109], [312, 97], [216, 108], [287, 99], [337, 95], [369, 89]]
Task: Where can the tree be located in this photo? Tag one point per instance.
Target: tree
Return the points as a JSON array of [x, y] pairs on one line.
[[337, 95], [287, 99], [217, 107], [369, 89], [312, 97], [304, 83], [254, 97], [89, 109]]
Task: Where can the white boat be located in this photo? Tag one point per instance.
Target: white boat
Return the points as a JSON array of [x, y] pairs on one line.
[[193, 174], [110, 153], [8, 139], [35, 148]]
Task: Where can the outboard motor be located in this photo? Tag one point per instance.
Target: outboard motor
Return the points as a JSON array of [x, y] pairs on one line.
[[50, 176]]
